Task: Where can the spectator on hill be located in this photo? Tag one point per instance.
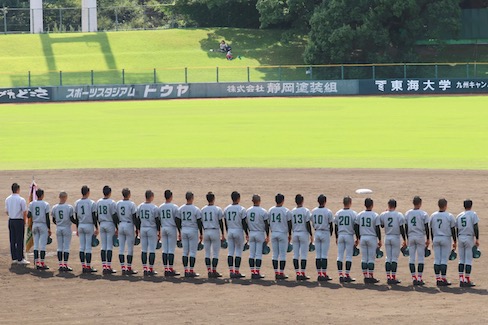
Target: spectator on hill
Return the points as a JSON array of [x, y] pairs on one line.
[[224, 47]]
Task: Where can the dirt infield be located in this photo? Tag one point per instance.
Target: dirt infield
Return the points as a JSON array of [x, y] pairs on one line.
[[49, 297]]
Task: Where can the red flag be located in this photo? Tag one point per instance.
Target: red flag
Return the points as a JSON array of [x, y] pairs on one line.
[[29, 241]]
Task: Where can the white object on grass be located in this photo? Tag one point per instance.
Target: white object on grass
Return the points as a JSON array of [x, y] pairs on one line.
[[364, 191]]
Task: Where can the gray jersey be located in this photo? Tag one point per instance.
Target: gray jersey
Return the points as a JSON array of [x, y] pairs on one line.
[[211, 215], [38, 210], [233, 214], [278, 219], [168, 213], [322, 218], [106, 208], [299, 219], [441, 223], [392, 221], [367, 221], [147, 213], [256, 217], [345, 219], [84, 208], [189, 214], [465, 222], [61, 214], [416, 220], [125, 210]]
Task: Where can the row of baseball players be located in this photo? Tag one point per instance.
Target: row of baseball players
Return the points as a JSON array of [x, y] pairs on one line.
[[170, 225]]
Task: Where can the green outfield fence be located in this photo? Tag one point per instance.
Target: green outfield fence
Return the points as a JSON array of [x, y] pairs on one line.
[[246, 74]]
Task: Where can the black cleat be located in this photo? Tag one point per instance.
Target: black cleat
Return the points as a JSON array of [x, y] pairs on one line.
[[146, 272], [373, 280], [440, 283], [469, 284], [281, 277], [255, 276], [211, 275], [349, 279], [68, 269], [341, 279], [216, 274], [420, 282], [131, 272], [174, 273], [92, 270], [61, 269], [239, 276]]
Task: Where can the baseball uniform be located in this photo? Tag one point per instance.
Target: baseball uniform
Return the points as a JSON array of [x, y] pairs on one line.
[[441, 224], [169, 232], [256, 219], [300, 217], [416, 221], [39, 212], [278, 224], [368, 221], [392, 221], [234, 214], [344, 220], [85, 212], [189, 215], [106, 209], [465, 223], [62, 214], [148, 215], [211, 218], [126, 211]]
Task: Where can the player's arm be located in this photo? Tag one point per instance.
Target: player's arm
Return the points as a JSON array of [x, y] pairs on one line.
[[95, 219], [29, 213], [336, 231], [403, 232], [378, 232], [427, 232], [290, 226], [406, 229], [309, 229], [266, 227], [48, 222], [74, 219], [116, 220], [54, 219], [453, 234], [245, 226], [356, 231], [221, 225], [226, 225], [158, 223], [331, 228], [200, 226]]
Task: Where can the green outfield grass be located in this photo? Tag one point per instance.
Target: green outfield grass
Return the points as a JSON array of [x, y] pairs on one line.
[[353, 132], [140, 52]]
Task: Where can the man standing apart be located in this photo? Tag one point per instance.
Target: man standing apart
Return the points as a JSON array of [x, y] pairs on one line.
[[16, 210]]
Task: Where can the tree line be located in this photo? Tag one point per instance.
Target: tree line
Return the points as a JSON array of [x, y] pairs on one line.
[[337, 31]]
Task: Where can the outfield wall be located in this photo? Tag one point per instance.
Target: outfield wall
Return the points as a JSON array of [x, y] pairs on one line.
[[245, 89]]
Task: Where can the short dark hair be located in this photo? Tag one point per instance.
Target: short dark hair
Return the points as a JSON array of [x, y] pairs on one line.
[[15, 187], [235, 196], [279, 198], [442, 203], [468, 204], [299, 199], [63, 194], [256, 198], [392, 203], [416, 200], [322, 199], [106, 190], [149, 194], [39, 192], [168, 194], [85, 190], [189, 195], [210, 197], [368, 202], [346, 200], [125, 192]]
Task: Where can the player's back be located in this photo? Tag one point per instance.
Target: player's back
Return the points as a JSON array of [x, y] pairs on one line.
[[321, 218], [38, 210], [189, 214], [84, 209], [62, 213], [278, 219], [391, 221], [416, 220], [367, 221], [345, 220], [125, 210], [147, 213], [256, 217], [106, 208], [441, 223], [211, 215], [233, 215], [465, 222], [168, 213], [299, 219]]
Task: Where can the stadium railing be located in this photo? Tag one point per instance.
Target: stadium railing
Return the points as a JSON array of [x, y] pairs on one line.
[[245, 74]]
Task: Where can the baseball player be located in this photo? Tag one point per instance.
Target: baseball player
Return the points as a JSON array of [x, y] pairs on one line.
[[302, 237], [417, 229], [442, 227], [86, 222], [467, 228], [369, 234], [235, 225], [189, 220], [148, 215], [322, 222], [344, 223], [212, 222], [109, 223], [41, 228], [394, 224], [127, 217], [280, 226], [62, 214], [258, 221], [168, 212]]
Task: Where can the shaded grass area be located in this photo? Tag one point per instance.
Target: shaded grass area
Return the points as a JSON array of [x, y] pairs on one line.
[[353, 132]]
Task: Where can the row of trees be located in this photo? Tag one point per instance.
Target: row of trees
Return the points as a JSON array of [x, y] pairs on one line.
[[339, 31]]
